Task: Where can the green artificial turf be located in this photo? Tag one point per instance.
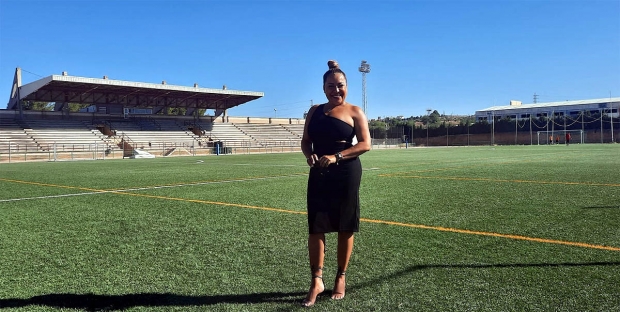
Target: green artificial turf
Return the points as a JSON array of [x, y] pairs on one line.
[[228, 233]]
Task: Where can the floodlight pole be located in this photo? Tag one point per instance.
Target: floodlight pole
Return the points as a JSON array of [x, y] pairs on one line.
[[364, 69]]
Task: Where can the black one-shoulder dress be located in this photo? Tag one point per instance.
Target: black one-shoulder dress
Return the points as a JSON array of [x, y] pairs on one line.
[[333, 192]]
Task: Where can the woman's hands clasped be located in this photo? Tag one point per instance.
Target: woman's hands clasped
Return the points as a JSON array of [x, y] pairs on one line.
[[322, 162]]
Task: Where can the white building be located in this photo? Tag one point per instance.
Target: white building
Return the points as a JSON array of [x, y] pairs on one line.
[[573, 109]]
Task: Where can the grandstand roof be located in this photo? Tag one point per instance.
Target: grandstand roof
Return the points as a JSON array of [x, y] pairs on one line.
[[72, 89], [551, 104]]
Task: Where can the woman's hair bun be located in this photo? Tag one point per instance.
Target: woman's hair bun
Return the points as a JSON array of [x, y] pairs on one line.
[[332, 64]]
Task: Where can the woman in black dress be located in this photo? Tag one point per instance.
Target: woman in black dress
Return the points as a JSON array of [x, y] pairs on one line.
[[334, 179]]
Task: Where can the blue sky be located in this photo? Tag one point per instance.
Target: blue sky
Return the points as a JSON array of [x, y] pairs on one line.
[[453, 56]]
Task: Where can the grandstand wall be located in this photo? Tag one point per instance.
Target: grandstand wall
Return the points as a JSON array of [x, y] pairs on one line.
[[54, 135]]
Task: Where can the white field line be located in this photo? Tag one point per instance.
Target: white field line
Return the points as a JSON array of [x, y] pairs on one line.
[[266, 165], [149, 188], [50, 196], [304, 166]]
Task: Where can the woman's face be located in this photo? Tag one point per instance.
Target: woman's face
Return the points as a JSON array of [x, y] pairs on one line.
[[335, 88]]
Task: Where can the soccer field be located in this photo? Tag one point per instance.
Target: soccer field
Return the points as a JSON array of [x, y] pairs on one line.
[[517, 228]]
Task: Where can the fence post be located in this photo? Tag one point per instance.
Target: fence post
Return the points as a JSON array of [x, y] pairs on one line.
[[601, 110], [611, 122]]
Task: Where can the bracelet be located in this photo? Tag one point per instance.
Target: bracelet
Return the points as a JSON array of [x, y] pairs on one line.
[[339, 157]]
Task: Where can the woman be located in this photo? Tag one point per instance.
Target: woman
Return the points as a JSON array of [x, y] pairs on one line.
[[334, 179]]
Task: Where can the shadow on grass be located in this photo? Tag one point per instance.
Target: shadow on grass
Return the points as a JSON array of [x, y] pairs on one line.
[[414, 268], [517, 265], [92, 302]]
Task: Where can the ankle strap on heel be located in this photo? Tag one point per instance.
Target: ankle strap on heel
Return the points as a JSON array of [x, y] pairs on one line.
[[316, 272]]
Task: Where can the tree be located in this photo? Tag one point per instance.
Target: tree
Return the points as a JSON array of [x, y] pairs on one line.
[[38, 106], [377, 129], [180, 111], [468, 120], [434, 117], [75, 107]]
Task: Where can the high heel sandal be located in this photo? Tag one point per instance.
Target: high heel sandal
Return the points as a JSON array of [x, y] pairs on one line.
[[310, 302], [337, 295]]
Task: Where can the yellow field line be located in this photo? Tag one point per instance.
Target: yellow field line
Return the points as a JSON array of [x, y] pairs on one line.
[[154, 186], [518, 237], [200, 201], [419, 226], [410, 225], [221, 181], [505, 180], [52, 185]]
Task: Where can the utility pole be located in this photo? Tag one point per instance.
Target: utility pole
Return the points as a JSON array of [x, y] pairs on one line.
[[535, 98]]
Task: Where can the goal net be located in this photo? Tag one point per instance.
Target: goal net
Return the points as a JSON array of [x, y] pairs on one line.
[[559, 137]]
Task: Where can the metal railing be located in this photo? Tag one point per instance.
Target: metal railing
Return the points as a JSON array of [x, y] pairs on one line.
[[55, 152]]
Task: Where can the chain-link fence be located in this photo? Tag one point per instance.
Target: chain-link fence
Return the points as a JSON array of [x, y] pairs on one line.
[[586, 128]]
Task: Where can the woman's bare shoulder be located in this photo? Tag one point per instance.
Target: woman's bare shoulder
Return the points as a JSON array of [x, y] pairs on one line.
[[354, 109]]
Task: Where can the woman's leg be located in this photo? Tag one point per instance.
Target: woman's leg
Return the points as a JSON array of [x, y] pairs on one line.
[[316, 253], [345, 247]]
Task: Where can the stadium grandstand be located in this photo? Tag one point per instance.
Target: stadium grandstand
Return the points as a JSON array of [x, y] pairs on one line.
[[119, 118], [68, 117]]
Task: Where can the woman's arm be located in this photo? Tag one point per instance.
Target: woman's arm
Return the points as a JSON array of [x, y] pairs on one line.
[[360, 124], [306, 143]]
